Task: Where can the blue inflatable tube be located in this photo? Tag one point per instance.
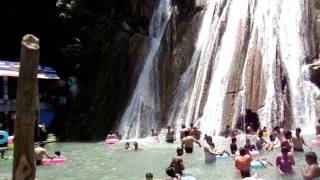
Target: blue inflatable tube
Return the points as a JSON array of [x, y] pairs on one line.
[[257, 165], [224, 156], [188, 178], [5, 136]]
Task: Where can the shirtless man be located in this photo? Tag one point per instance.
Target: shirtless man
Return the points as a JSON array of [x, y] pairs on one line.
[[187, 142], [312, 170], [39, 152], [242, 163], [298, 141], [318, 129], [177, 162], [183, 130], [196, 133], [171, 135], [210, 152]]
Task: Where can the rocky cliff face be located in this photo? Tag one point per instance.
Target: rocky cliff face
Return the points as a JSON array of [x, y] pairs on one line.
[[260, 79], [177, 49], [107, 84], [118, 31]]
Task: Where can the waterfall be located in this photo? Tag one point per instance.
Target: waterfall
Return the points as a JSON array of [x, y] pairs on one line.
[[183, 102], [276, 33], [263, 37], [293, 56], [143, 110]]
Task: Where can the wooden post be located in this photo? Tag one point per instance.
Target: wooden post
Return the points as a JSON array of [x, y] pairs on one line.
[[24, 164]]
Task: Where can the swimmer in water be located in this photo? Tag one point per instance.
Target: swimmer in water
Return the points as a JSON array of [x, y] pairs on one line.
[[187, 142], [171, 135], [177, 162], [298, 141], [136, 147], [243, 162], [210, 152]]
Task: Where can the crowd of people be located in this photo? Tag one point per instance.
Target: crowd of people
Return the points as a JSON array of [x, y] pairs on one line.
[[278, 138], [243, 156]]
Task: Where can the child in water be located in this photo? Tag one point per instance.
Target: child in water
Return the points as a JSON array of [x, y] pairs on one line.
[[57, 155]]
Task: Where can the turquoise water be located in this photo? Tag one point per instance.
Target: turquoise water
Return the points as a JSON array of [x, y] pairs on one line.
[[112, 162]]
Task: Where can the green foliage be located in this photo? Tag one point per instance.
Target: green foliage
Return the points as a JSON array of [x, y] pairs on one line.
[[100, 44]]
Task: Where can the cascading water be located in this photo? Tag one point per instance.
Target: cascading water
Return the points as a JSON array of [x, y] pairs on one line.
[[231, 31], [144, 107], [293, 56], [213, 110], [183, 105], [266, 16], [276, 32]]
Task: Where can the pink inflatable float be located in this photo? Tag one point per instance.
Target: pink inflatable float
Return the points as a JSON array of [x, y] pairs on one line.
[[10, 139], [316, 142], [53, 161], [112, 141]]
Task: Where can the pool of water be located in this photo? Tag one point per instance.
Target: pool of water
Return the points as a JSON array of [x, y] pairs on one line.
[[112, 162]]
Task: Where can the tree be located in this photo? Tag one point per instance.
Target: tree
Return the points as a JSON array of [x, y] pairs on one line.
[[26, 110]]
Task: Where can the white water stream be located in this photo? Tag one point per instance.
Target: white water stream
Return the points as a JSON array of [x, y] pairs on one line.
[[276, 33], [143, 110]]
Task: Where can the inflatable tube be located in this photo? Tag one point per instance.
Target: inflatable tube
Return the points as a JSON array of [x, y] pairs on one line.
[[10, 146], [254, 152], [224, 156], [4, 138], [316, 142], [112, 141], [10, 139], [53, 161], [188, 178], [257, 164]]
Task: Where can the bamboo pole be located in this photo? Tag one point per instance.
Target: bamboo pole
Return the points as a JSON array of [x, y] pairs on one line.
[[26, 110]]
